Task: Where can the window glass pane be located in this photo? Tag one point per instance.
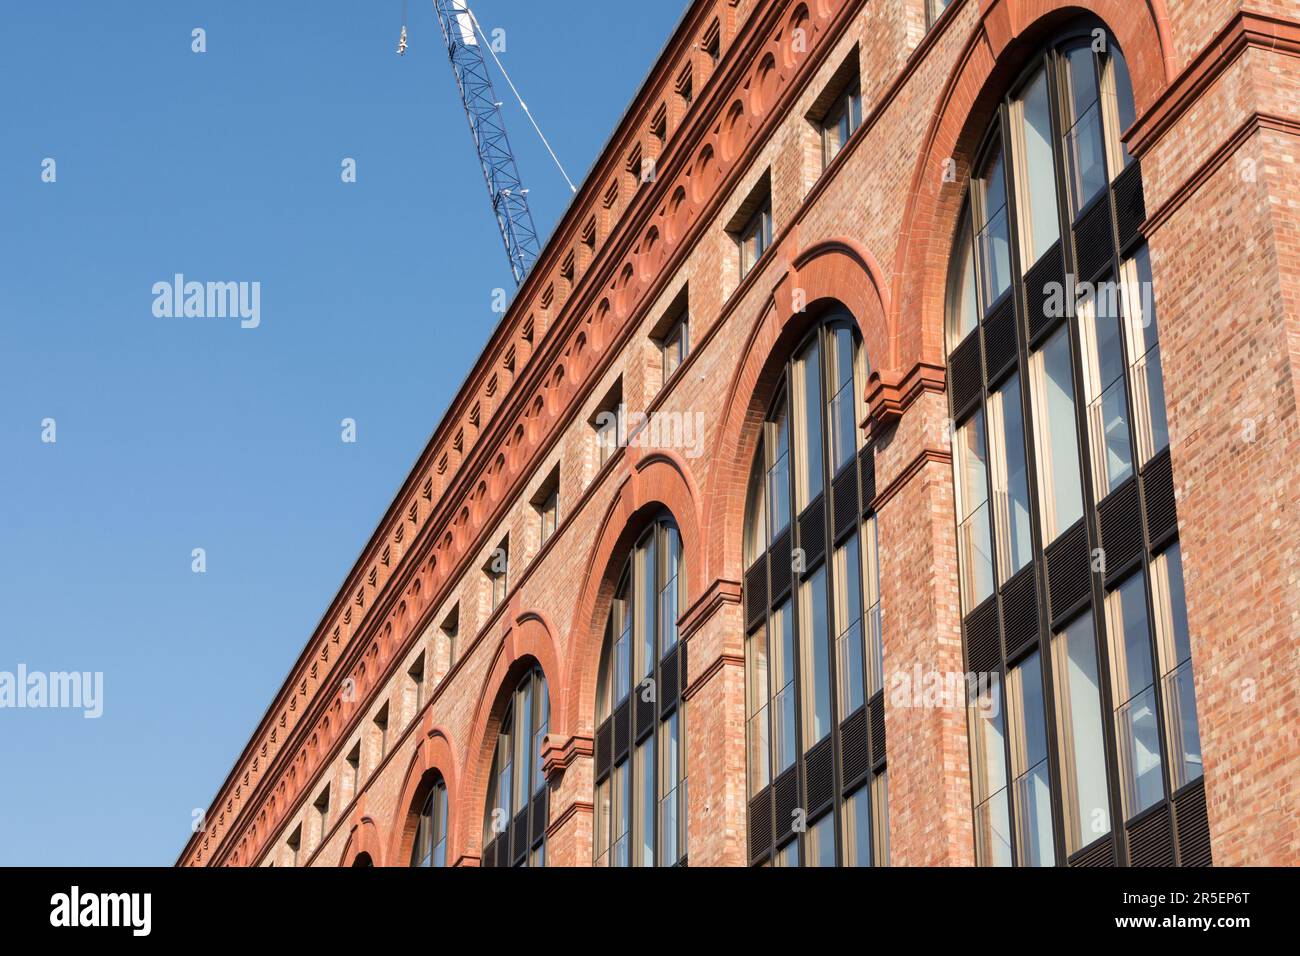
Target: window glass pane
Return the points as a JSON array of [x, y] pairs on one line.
[[963, 306], [1078, 724], [646, 597], [755, 513], [1107, 397], [857, 829], [542, 724], [1033, 790], [756, 716], [874, 639], [623, 651], [1137, 729], [601, 823], [523, 738], [821, 842], [1145, 375], [670, 554], [880, 816], [778, 477], [1182, 726], [1055, 435], [1010, 479], [669, 762], [808, 433], [788, 855], [1035, 170], [781, 647], [815, 658], [1119, 112], [975, 552], [621, 810], [989, 777], [994, 240], [644, 815], [848, 618], [1084, 145]]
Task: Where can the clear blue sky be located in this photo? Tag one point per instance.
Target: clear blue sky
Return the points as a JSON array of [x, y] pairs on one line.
[[175, 434]]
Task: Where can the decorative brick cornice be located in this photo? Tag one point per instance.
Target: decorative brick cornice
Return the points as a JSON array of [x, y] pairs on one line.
[[1244, 31], [721, 592], [917, 465], [557, 754], [890, 394], [720, 662]]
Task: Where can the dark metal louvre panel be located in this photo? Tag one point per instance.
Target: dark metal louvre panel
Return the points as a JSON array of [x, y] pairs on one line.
[[1161, 506], [1069, 571], [760, 825], [1093, 243], [786, 792], [1020, 611], [965, 377], [844, 491], [812, 533], [519, 836], [604, 748], [756, 593], [877, 708], [622, 730], [780, 559], [1045, 291], [669, 688], [540, 817], [820, 768], [1151, 839], [983, 649], [853, 747], [1121, 527], [1101, 853], [1193, 825], [644, 696], [1000, 338], [867, 468], [1130, 205]]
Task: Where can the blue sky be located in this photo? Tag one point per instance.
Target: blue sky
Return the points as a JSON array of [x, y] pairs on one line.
[[175, 433]]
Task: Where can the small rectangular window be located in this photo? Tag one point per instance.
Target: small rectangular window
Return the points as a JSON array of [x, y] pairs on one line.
[[353, 760], [381, 731], [295, 844], [754, 237], [450, 631], [497, 570], [546, 502], [609, 424], [934, 10], [322, 806], [841, 122], [675, 346], [416, 675]]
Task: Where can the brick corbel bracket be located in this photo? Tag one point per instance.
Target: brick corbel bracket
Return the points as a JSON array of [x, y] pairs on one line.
[[889, 394], [559, 753]]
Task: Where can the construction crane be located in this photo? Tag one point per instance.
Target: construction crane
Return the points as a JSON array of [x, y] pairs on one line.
[[461, 33]]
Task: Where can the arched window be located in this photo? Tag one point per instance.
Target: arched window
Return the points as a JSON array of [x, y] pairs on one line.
[[515, 819], [430, 845], [814, 670], [640, 815], [1061, 465]]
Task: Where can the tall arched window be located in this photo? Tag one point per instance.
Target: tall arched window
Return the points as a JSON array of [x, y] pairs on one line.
[[814, 671], [515, 819], [430, 845], [640, 815], [1070, 570]]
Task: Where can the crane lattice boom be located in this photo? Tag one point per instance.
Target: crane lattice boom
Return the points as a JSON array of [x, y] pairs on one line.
[[509, 198]]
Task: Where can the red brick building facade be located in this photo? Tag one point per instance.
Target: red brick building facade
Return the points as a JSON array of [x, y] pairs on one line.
[[741, 478]]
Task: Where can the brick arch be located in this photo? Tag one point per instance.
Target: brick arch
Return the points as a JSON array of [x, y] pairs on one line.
[[835, 274], [435, 755], [1009, 31], [530, 639], [657, 481], [363, 838]]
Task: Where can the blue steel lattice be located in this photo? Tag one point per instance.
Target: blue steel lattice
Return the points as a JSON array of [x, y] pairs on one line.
[[486, 124]]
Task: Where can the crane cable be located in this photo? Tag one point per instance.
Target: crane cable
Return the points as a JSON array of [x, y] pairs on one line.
[[527, 112]]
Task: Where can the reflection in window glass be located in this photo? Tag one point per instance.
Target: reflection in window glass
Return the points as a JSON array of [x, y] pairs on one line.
[[1104, 389], [1039, 225], [974, 549], [821, 842], [778, 476], [1181, 724], [808, 429], [756, 718], [1078, 725], [1136, 726], [1033, 789], [857, 829], [1084, 144], [1010, 479], [755, 513], [1056, 439], [848, 623], [994, 238], [1145, 375], [875, 639], [963, 305], [815, 658], [989, 778], [843, 404], [781, 647]]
